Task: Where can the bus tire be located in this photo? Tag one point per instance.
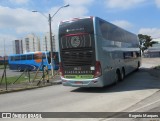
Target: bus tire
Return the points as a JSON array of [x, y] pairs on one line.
[[117, 77], [19, 69], [122, 74], [138, 65]]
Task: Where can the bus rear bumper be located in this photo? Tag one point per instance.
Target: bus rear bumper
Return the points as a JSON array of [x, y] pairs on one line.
[[96, 82]]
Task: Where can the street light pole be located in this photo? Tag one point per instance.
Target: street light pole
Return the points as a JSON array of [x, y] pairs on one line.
[[50, 32]]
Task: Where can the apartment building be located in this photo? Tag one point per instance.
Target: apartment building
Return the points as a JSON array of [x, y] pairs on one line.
[[17, 46], [31, 43]]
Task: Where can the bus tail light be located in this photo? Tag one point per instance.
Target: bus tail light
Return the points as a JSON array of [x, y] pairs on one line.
[[98, 71], [61, 72]]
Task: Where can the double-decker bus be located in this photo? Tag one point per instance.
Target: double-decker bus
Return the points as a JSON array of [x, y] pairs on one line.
[[95, 53], [33, 60]]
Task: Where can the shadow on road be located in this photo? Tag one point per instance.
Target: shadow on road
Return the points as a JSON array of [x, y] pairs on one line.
[[143, 79]]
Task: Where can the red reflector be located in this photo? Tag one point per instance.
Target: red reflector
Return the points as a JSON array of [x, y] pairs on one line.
[[98, 71]]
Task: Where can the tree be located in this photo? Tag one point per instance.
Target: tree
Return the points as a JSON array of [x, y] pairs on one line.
[[145, 41]]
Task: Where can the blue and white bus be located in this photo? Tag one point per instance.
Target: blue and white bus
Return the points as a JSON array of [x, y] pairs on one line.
[[32, 61], [95, 53]]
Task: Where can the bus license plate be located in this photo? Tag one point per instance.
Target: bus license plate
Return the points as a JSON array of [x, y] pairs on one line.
[[79, 82]]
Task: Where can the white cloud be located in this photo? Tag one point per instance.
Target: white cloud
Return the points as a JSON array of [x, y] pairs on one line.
[[123, 24], [21, 21], [15, 23], [7, 38], [153, 32], [19, 1], [157, 3], [123, 4], [76, 9], [5, 41], [78, 2]]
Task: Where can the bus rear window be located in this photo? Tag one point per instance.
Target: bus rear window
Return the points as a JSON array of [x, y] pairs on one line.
[[77, 26], [76, 34]]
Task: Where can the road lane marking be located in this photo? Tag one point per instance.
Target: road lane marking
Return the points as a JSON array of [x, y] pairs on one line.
[[145, 106], [133, 110]]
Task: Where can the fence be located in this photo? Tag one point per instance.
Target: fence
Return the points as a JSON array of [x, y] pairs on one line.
[[28, 79]]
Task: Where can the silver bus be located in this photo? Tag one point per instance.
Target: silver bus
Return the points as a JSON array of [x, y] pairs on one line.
[[95, 53]]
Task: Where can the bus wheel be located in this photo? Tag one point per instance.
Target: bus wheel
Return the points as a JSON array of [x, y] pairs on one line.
[[19, 69], [116, 78], [138, 65], [122, 75]]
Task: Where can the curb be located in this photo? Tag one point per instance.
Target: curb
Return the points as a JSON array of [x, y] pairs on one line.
[[30, 88]]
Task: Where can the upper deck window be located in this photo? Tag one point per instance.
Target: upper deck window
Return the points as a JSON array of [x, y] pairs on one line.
[[76, 26]]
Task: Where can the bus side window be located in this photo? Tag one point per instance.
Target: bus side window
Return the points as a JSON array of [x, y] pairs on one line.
[[29, 57], [43, 56], [17, 58], [37, 56], [49, 60], [128, 55], [23, 57], [138, 54], [12, 58]]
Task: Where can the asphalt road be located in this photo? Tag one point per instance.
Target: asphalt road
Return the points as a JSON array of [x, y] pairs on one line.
[[129, 95], [10, 73]]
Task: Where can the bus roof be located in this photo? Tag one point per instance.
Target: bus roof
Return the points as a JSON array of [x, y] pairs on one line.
[[75, 19], [79, 18], [29, 53]]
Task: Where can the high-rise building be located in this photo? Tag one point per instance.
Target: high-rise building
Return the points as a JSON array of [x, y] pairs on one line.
[[31, 43], [46, 46], [17, 47]]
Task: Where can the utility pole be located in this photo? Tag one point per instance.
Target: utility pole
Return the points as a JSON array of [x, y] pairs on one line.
[[51, 43]]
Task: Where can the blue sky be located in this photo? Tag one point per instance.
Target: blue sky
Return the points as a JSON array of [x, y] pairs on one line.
[[17, 18]]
